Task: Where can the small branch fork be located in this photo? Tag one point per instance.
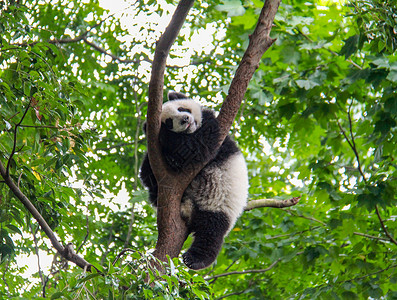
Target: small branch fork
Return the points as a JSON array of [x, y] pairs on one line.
[[15, 138], [271, 266], [352, 145], [66, 251]]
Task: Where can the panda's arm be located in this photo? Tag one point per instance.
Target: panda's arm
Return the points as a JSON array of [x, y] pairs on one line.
[[182, 150], [149, 180]]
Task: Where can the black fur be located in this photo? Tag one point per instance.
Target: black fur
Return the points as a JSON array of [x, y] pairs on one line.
[[209, 229], [176, 95], [181, 151]]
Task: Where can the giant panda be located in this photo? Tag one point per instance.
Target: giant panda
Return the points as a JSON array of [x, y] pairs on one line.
[[217, 195]]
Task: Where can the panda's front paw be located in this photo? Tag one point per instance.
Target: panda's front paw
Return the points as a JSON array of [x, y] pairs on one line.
[[194, 262]]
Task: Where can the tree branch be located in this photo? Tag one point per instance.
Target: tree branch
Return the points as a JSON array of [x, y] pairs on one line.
[[307, 218], [66, 252], [382, 223], [36, 249], [271, 203], [329, 50], [114, 57], [245, 272], [352, 145], [371, 236], [87, 234], [259, 42], [233, 294], [15, 139], [172, 231]]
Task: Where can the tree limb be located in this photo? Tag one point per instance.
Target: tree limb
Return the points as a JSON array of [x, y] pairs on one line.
[[15, 138], [245, 272], [66, 252], [259, 42], [371, 236], [382, 223], [271, 203]]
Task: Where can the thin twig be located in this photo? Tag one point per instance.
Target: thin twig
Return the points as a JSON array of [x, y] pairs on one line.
[[228, 267], [353, 143], [36, 248], [355, 278], [292, 234], [245, 272], [329, 50], [232, 294], [15, 138], [370, 274], [370, 236], [115, 146], [304, 217], [7, 264], [107, 245], [125, 250], [353, 148], [114, 57], [382, 223], [86, 235]]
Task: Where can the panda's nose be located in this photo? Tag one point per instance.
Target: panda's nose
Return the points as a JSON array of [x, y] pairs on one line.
[[185, 119]]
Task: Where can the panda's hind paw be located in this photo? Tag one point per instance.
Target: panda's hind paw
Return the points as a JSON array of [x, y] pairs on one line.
[[193, 262]]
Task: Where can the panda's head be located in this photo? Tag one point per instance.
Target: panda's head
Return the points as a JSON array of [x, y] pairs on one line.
[[181, 114]]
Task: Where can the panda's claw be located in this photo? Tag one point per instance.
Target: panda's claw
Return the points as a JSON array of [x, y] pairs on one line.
[[193, 262]]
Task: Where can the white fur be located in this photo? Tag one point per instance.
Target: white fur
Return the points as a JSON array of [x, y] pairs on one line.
[[170, 110], [219, 189]]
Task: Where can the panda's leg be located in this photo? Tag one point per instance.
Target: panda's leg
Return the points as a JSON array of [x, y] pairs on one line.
[[209, 230]]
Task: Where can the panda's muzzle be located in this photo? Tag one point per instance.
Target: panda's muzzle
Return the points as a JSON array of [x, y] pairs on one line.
[[184, 120]]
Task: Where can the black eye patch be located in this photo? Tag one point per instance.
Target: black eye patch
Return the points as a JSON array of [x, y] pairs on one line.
[[182, 109], [169, 124]]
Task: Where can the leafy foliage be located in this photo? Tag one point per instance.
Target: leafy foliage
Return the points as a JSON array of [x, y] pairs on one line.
[[319, 120]]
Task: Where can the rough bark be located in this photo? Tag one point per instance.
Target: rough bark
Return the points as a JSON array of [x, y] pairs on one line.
[[271, 203], [172, 230]]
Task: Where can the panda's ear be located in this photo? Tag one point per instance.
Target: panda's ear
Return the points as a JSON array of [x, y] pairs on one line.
[[144, 127], [175, 95]]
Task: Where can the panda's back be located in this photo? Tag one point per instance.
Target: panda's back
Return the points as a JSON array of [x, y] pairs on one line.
[[221, 186]]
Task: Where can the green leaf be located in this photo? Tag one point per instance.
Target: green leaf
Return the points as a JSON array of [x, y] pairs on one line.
[[232, 7], [391, 105], [14, 229], [306, 84], [392, 76], [350, 46], [57, 295]]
